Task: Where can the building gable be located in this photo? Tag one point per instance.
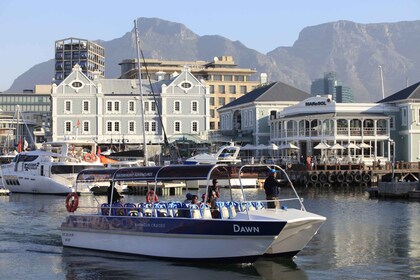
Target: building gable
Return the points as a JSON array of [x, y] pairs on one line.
[[76, 82]]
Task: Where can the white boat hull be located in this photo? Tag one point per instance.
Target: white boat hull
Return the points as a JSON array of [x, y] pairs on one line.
[[193, 239], [35, 184]]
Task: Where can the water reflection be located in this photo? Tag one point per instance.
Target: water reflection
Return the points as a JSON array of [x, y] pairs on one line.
[[85, 264]]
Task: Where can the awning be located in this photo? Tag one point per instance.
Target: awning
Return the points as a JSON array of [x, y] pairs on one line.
[[155, 173]]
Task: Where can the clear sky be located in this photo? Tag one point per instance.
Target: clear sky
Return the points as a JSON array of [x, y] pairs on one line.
[[28, 29]]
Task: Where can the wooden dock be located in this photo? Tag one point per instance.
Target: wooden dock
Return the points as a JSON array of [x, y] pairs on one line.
[[327, 175]]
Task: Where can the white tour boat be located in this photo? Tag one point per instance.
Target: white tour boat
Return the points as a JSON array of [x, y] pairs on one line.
[[244, 231], [51, 169], [228, 154]]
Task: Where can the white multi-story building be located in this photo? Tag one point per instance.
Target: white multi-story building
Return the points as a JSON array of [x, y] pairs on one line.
[[109, 112]]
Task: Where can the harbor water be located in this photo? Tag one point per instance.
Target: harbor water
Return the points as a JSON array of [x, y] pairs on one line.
[[362, 238]]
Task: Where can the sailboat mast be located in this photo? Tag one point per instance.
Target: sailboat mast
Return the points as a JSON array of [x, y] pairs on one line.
[[141, 95]]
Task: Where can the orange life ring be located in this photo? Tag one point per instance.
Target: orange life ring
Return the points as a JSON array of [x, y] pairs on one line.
[[90, 157], [150, 196], [72, 201]]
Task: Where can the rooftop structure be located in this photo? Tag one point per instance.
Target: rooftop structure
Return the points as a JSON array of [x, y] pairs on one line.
[[71, 51], [226, 81]]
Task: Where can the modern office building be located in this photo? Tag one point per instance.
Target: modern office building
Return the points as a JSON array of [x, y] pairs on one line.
[[24, 114], [332, 85], [71, 51], [226, 81]]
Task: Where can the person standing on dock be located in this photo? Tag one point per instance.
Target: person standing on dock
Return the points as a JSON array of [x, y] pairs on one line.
[[271, 187]]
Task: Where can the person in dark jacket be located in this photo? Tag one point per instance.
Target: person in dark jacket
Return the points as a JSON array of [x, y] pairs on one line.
[[113, 196], [271, 187]]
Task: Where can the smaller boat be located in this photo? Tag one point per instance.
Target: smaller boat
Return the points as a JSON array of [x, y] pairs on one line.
[[51, 169], [228, 154], [242, 230]]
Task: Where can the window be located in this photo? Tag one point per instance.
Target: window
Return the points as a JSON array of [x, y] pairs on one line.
[[67, 127], [194, 106], [392, 122], [131, 127], [250, 118], [146, 106], [211, 88], [131, 106], [194, 127], [116, 106], [243, 89], [116, 126], [232, 89], [212, 101], [67, 106], [212, 113], [404, 116], [221, 101], [177, 106], [85, 127], [217, 77], [109, 106], [228, 78], [85, 106], [153, 128], [239, 78], [177, 126], [232, 99], [108, 126], [221, 89], [146, 126], [153, 106], [186, 85]]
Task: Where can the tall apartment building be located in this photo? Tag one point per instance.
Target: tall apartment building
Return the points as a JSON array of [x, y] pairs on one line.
[[226, 81], [332, 85], [71, 51]]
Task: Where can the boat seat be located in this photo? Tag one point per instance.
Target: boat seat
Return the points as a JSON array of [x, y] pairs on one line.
[[258, 205], [238, 206], [224, 212], [146, 209], [105, 209], [117, 209], [173, 208], [195, 211], [130, 209], [230, 206], [205, 211], [160, 210], [250, 206]]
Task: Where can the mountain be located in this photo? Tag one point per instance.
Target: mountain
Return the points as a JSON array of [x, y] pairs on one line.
[[353, 50]]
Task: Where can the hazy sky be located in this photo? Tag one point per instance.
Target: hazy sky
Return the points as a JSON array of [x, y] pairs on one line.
[[28, 29]]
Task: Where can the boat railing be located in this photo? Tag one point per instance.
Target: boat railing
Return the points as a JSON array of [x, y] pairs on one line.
[[267, 167]]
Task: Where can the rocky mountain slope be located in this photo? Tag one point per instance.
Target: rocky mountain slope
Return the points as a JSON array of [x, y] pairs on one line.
[[352, 50]]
